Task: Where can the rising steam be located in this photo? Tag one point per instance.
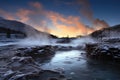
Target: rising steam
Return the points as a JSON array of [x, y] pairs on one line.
[[86, 10], [35, 37]]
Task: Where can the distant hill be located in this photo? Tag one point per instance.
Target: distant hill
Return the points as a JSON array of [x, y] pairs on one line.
[[16, 29], [113, 31]]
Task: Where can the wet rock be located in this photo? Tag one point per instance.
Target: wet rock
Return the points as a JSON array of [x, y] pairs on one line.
[[64, 40], [36, 52], [53, 79], [101, 51], [24, 68], [23, 64], [62, 76], [23, 59], [64, 48], [112, 40], [60, 70], [38, 76], [28, 76], [8, 75]]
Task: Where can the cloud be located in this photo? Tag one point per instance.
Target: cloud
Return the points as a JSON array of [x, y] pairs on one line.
[[99, 24], [36, 5], [71, 25], [7, 14], [23, 14], [56, 23], [85, 9]]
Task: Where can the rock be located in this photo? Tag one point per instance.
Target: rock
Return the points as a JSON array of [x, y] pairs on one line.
[[64, 40], [27, 76], [60, 70], [8, 75], [38, 76], [62, 76], [23, 64], [102, 52], [36, 52], [72, 73], [23, 59], [53, 79]]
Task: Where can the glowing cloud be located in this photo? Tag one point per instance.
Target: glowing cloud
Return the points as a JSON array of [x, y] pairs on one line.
[[71, 25], [24, 14], [59, 24], [7, 15], [36, 5]]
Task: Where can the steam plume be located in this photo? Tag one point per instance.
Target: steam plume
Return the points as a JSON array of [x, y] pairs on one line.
[[86, 10]]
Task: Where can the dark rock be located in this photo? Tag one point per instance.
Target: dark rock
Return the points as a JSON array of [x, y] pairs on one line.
[[36, 52], [8, 75], [64, 40], [37, 76], [23, 59], [53, 79], [62, 76], [102, 52]]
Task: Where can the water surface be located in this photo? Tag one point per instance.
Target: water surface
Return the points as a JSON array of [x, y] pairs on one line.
[[75, 65]]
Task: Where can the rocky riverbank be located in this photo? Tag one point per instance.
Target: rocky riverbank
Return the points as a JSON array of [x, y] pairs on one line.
[[25, 63], [103, 51]]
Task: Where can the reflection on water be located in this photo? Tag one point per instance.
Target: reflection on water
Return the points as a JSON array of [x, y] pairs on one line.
[[66, 60], [76, 66]]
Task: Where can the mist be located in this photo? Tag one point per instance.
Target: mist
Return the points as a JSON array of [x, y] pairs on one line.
[[83, 41]]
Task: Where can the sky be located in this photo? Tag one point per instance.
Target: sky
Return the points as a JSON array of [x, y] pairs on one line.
[[63, 17]]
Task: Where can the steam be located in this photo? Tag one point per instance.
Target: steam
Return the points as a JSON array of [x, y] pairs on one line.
[[86, 10], [35, 38], [82, 41], [99, 24]]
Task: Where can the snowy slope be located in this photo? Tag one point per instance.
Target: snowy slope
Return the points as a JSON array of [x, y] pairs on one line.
[[111, 32], [19, 27]]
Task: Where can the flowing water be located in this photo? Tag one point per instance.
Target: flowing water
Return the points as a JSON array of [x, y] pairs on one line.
[[75, 65]]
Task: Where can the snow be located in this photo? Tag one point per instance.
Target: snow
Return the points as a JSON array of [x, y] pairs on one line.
[[20, 58], [8, 73]]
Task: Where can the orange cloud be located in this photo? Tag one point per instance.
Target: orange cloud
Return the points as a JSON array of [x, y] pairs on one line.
[[70, 25], [7, 15], [23, 14], [36, 5], [99, 24], [61, 26]]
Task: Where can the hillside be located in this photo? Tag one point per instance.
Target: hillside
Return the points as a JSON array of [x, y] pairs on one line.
[[16, 29], [111, 32]]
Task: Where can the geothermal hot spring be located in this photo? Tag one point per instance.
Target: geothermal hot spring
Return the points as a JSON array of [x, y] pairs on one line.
[[72, 62]]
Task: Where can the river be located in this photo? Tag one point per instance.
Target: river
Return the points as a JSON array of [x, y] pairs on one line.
[[76, 66]]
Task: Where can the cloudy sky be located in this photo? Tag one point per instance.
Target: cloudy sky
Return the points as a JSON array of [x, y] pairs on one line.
[[63, 17]]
